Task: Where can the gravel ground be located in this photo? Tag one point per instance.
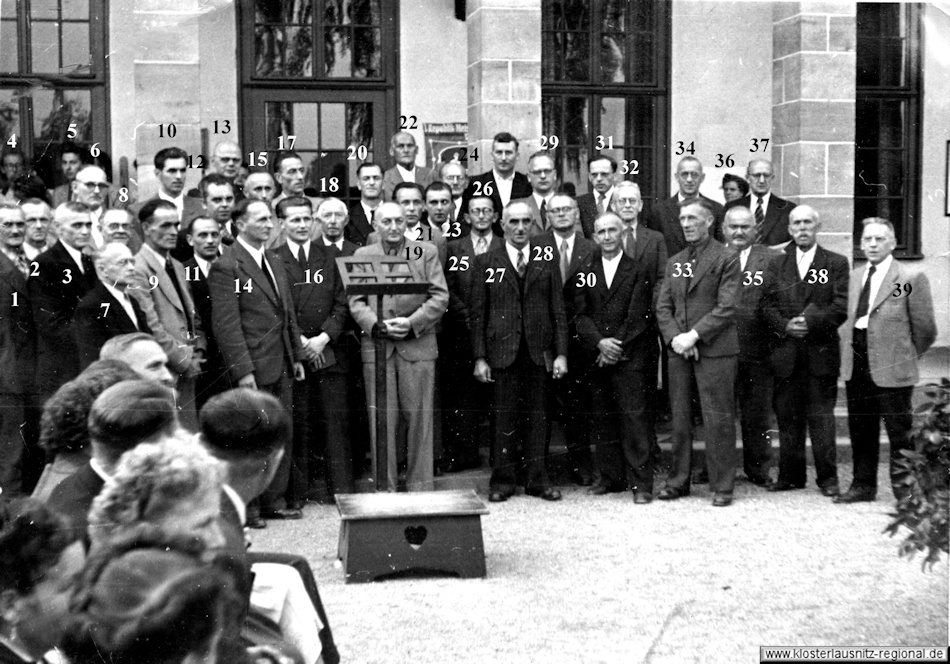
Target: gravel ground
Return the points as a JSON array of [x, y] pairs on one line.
[[603, 580]]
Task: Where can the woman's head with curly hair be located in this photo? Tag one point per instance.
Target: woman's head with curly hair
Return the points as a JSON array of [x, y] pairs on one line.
[[174, 483], [64, 426]]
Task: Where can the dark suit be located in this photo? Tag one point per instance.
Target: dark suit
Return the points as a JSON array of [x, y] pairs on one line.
[[320, 406], [464, 400], [665, 218], [775, 224], [753, 375], [256, 331], [73, 497], [518, 327], [622, 393], [7, 656], [520, 188], [214, 377], [358, 227], [806, 370], [94, 324], [18, 362], [587, 207], [704, 302], [54, 303], [572, 393]]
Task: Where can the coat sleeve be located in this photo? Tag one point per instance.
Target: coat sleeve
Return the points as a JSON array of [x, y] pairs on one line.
[[770, 303], [920, 309], [179, 355], [360, 309], [724, 312], [424, 319], [586, 328], [666, 309], [558, 315], [827, 320], [477, 310], [226, 319], [333, 325], [661, 259]]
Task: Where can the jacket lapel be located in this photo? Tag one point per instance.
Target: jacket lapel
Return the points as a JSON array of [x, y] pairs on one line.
[[624, 271], [703, 263], [820, 262], [891, 277], [251, 267], [164, 282]]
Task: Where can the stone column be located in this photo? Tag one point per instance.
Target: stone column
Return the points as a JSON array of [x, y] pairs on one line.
[[813, 112], [504, 75]]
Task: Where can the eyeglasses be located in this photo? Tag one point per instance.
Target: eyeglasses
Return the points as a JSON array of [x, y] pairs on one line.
[[454, 178], [94, 185], [628, 201], [117, 226], [542, 171], [481, 212], [561, 210]]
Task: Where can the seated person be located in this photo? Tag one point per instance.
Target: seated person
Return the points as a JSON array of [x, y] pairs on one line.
[[39, 558]]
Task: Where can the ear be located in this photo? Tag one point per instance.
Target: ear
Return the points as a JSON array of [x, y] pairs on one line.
[[9, 606]]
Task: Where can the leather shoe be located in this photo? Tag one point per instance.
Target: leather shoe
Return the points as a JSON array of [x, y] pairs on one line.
[[603, 488], [722, 500], [295, 504], [857, 494], [672, 493], [287, 514], [642, 498], [255, 521], [497, 497], [830, 490], [548, 493], [760, 480], [782, 485], [582, 478]]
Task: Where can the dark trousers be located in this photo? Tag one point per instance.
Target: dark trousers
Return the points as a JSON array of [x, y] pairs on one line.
[[12, 418], [520, 426], [321, 430], [754, 399], [623, 425], [464, 399], [867, 405], [713, 375], [572, 399], [806, 403], [275, 497]]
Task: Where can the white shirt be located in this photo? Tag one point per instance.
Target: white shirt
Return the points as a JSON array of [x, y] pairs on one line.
[[541, 199], [503, 185], [203, 265], [327, 243], [744, 256], [161, 259], [610, 268], [513, 254], [570, 244], [754, 202], [124, 300], [96, 215], [368, 211], [407, 176], [258, 256], [98, 469], [607, 197], [876, 280], [178, 202], [295, 248], [488, 237], [239, 505], [804, 259], [32, 252], [75, 254], [456, 208]]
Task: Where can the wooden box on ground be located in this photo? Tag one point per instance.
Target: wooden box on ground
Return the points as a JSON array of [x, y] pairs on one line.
[[383, 534]]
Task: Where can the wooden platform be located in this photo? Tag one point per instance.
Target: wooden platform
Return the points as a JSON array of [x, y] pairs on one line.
[[384, 534]]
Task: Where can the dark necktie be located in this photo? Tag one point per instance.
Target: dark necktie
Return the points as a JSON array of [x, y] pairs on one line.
[[522, 265], [565, 261], [600, 203], [270, 279], [170, 271], [21, 263], [544, 214], [864, 300], [302, 258], [759, 220], [631, 243]]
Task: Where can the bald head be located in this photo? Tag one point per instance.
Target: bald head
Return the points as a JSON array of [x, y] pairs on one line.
[[608, 234], [226, 159], [403, 149], [332, 215], [738, 227]]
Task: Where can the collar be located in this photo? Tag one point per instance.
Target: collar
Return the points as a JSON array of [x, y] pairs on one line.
[[801, 254], [407, 175], [607, 197], [612, 261], [295, 248], [745, 253], [881, 268], [513, 253], [203, 264], [399, 247], [328, 243], [700, 247], [121, 296], [680, 198], [74, 253], [538, 199], [754, 200], [161, 259], [16, 650], [498, 176], [98, 470], [558, 239], [239, 505], [179, 200], [489, 236], [257, 254]]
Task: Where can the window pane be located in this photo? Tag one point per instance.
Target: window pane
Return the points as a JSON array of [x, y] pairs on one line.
[[351, 12], [54, 110], [332, 127], [45, 47], [359, 123], [879, 172], [882, 46], [283, 11], [613, 120], [77, 57], [367, 53], [569, 14], [9, 114], [8, 8], [613, 58], [10, 41], [76, 9], [644, 58], [304, 126], [880, 123], [570, 56], [615, 16], [44, 10], [337, 53], [279, 120], [283, 52], [640, 112]]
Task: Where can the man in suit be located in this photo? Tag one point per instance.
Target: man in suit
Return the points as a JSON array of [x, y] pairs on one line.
[[403, 149], [572, 253], [225, 161], [438, 202], [204, 236], [467, 400], [171, 164], [91, 188], [62, 276], [665, 215], [38, 216], [253, 320], [615, 321], [890, 325], [502, 183], [117, 226], [17, 347], [411, 348], [543, 179], [769, 211], [217, 196], [70, 161], [455, 175], [411, 198], [369, 180], [753, 375], [805, 300], [519, 333], [162, 293], [602, 173], [320, 426], [333, 220], [696, 316], [107, 310]]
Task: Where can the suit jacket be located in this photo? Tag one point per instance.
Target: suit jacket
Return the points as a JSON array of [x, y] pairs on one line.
[[753, 331], [901, 326], [73, 497], [320, 304], [649, 251], [349, 248], [665, 218], [581, 257], [705, 302], [17, 334], [775, 225], [53, 304], [587, 206], [824, 304], [7, 656], [520, 188], [92, 326], [358, 228], [256, 331], [191, 208], [424, 233], [459, 273], [503, 310], [214, 367], [424, 177], [171, 319], [622, 311], [423, 311]]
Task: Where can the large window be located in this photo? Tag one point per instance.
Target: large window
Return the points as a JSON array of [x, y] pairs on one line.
[[605, 77], [887, 120], [52, 77], [324, 72]]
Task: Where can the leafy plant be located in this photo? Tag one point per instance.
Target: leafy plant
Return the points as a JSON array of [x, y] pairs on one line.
[[922, 480]]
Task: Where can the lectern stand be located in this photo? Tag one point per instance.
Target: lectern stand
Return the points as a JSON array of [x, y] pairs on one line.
[[388, 533]]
